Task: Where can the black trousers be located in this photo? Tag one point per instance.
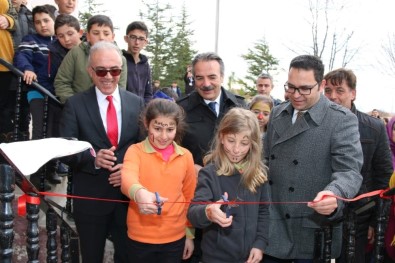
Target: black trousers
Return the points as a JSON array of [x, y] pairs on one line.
[[8, 85], [54, 115], [269, 259], [197, 251], [152, 253], [93, 231]]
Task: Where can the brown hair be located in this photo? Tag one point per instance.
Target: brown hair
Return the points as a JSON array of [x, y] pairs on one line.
[[162, 107]]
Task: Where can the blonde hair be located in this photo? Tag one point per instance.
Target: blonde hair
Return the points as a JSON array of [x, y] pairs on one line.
[[235, 121]]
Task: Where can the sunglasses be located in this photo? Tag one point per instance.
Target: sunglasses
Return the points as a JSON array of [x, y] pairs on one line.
[[102, 72]]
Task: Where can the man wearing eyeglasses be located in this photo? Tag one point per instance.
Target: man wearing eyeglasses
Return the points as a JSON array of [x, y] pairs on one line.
[[139, 71], [341, 88], [106, 116], [313, 152]]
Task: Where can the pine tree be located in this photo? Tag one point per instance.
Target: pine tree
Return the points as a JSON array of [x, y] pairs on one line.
[[181, 51], [259, 60], [158, 49], [91, 8]]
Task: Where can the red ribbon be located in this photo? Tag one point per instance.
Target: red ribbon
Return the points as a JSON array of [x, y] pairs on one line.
[[23, 199], [369, 194]]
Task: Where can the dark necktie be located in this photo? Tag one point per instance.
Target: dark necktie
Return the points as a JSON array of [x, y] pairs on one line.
[[212, 107], [112, 122], [299, 115]]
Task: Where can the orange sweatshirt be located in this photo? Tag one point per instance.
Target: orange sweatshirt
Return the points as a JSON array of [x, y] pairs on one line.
[[175, 180], [6, 44]]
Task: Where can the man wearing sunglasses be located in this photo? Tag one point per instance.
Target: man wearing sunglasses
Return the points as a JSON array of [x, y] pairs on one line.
[[72, 77], [107, 116]]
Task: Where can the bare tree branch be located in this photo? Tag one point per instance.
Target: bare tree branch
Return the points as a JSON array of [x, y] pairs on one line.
[[389, 53]]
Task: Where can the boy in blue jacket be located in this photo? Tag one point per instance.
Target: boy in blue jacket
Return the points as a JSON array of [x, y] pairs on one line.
[[33, 59]]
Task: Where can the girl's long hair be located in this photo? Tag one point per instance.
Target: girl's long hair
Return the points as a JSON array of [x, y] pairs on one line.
[[235, 121]]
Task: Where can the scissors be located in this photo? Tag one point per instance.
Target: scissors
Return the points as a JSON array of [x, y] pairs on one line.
[[228, 207], [159, 203]]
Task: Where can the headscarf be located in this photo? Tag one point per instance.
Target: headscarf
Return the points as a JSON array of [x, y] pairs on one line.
[[390, 126]]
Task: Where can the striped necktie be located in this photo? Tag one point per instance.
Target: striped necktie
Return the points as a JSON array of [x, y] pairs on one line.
[[212, 107]]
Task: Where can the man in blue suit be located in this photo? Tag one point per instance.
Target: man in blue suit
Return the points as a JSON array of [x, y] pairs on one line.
[[85, 117]]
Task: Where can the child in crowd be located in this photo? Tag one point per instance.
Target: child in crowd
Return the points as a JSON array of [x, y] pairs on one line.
[[165, 93], [261, 105], [8, 23], [68, 33], [33, 59], [72, 75], [139, 70], [233, 171], [154, 171], [66, 7]]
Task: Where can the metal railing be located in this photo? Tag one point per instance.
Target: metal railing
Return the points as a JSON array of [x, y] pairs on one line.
[[55, 214]]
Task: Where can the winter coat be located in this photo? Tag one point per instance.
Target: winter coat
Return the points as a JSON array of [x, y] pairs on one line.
[[139, 76]]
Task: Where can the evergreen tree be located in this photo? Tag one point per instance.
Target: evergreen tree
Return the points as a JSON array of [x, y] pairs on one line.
[[259, 60], [158, 49], [90, 9], [181, 51]]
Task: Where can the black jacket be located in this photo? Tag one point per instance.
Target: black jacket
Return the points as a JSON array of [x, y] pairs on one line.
[[250, 225], [377, 166], [25, 25], [202, 122], [81, 119], [139, 76]]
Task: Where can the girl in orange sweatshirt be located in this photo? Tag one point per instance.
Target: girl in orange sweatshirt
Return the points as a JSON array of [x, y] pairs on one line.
[[158, 165]]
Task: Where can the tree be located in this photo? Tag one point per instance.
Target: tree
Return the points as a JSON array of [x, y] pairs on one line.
[[389, 53], [181, 50], [259, 60], [158, 49], [329, 43], [91, 8], [170, 47]]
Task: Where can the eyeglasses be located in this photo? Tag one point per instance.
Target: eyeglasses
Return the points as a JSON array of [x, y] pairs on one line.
[[135, 38], [102, 72], [303, 90]]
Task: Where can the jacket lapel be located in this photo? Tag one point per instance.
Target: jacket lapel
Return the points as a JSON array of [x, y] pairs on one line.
[[92, 107], [125, 115], [284, 128]]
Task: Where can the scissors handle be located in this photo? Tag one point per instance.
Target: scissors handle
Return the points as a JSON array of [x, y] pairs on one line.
[[158, 203], [227, 209]]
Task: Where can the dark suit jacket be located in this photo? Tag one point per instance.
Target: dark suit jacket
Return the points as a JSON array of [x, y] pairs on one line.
[[81, 119], [202, 122]]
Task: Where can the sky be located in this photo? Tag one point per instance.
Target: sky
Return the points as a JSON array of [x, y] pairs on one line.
[[284, 25]]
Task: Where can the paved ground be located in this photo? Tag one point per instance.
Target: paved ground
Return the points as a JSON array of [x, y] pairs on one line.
[[20, 225]]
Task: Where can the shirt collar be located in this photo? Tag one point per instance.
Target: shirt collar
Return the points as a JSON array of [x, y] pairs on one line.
[[217, 100], [101, 97], [147, 147]]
